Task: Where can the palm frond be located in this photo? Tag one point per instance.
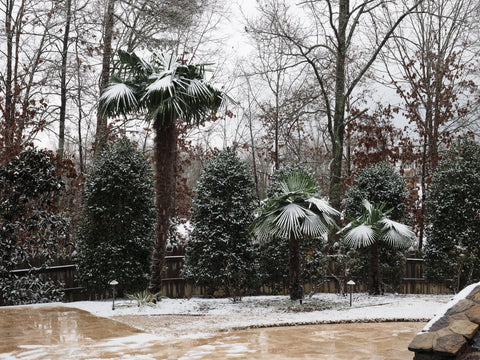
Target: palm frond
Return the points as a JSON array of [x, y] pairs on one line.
[[165, 87], [314, 226], [162, 82], [118, 98], [289, 219], [261, 227], [373, 213], [164, 109], [367, 205], [402, 229], [373, 225], [134, 63], [323, 206], [360, 236], [395, 233], [329, 220], [166, 61], [293, 212], [297, 182], [395, 239], [198, 89]]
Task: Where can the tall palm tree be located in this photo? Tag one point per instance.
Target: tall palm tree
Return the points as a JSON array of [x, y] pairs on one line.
[[295, 212], [370, 228], [165, 90]]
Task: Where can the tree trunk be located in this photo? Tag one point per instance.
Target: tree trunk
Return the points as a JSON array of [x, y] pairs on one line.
[[8, 113], [295, 271], [423, 187], [101, 132], [80, 112], [373, 275], [254, 159], [63, 81], [165, 149], [277, 120], [337, 133]]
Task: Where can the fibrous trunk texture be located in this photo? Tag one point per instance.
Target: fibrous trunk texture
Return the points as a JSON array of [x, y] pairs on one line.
[[165, 148]]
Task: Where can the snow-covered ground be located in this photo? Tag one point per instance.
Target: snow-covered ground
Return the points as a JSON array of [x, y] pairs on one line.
[[188, 328], [195, 316]]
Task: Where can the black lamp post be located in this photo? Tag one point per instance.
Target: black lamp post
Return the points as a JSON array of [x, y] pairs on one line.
[[113, 283], [351, 284]]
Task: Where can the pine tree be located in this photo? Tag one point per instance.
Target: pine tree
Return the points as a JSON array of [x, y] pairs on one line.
[[220, 254], [380, 184], [453, 203], [116, 234]]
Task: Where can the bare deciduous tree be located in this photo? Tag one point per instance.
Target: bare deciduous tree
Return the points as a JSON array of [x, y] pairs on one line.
[[326, 43], [432, 63]]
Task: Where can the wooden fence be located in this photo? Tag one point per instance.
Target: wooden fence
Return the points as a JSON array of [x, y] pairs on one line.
[[174, 286], [64, 274]]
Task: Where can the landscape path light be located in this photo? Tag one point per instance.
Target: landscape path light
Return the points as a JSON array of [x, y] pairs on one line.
[[351, 284], [113, 283], [411, 250]]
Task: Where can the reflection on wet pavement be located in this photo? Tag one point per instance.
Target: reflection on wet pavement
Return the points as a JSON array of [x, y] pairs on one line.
[[40, 332], [64, 333]]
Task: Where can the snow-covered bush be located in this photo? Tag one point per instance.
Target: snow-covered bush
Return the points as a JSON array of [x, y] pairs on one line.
[[30, 227], [219, 252], [452, 250], [31, 289], [116, 232], [379, 183], [273, 265]]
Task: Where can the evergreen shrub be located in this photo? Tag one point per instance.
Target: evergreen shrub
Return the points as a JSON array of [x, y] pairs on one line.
[[379, 183], [31, 227], [116, 233], [220, 254], [452, 245]]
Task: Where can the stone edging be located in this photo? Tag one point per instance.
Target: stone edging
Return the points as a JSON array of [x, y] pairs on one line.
[[452, 335]]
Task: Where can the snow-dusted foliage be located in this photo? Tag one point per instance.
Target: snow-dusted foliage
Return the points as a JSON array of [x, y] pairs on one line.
[[379, 184], [453, 202], [30, 227], [219, 252], [294, 215], [280, 174], [116, 233], [273, 254], [273, 264], [373, 226]]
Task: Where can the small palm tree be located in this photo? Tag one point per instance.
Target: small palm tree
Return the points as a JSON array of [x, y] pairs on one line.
[[295, 212], [165, 90], [370, 228]]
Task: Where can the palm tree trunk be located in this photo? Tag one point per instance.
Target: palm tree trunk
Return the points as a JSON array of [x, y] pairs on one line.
[[373, 278], [295, 272], [165, 149]]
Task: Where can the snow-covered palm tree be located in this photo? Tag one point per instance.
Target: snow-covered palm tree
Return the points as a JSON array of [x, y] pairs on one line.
[[370, 228], [165, 90], [295, 212]]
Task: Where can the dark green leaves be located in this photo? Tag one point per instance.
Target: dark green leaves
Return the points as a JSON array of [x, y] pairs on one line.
[[116, 233]]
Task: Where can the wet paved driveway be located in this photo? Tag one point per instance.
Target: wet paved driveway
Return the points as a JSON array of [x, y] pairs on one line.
[[65, 333]]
